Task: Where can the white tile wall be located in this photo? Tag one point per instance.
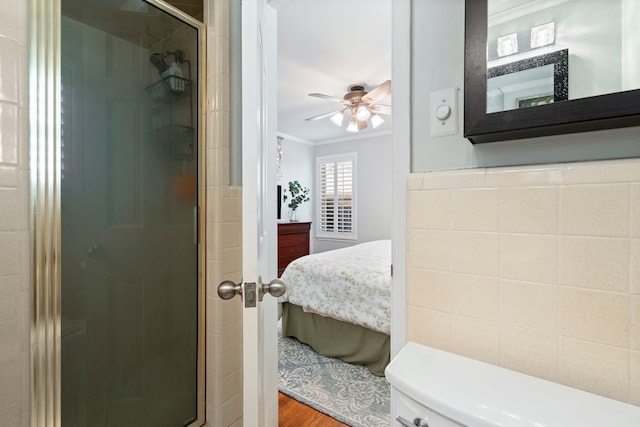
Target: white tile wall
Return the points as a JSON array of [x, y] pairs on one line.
[[14, 211], [224, 233], [224, 320], [533, 268]]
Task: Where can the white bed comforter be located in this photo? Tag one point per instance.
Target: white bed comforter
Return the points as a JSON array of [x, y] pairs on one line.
[[351, 284]]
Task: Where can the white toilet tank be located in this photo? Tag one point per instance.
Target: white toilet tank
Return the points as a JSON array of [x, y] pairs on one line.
[[433, 388]]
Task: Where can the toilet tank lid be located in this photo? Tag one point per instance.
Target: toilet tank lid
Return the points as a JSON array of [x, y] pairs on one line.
[[479, 394]]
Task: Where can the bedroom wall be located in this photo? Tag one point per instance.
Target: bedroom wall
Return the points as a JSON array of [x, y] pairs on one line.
[[374, 184], [534, 268], [298, 164], [374, 205]]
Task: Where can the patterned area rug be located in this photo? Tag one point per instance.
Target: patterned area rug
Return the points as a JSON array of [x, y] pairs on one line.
[[348, 393]]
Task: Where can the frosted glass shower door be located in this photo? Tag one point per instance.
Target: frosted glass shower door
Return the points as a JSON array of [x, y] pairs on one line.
[[130, 255]]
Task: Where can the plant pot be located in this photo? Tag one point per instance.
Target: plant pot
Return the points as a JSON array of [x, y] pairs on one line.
[[294, 215]]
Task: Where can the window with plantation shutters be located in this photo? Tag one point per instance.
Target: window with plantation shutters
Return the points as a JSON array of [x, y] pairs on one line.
[[336, 197]]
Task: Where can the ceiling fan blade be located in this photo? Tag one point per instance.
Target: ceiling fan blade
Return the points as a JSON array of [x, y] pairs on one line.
[[331, 98], [322, 116], [378, 93], [381, 109], [362, 124]]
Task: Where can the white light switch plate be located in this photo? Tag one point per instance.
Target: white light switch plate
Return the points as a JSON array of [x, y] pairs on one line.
[[440, 100]]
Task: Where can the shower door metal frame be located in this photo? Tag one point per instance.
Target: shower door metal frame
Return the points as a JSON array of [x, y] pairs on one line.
[[45, 223]]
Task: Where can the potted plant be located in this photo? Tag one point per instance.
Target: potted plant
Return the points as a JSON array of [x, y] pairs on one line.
[[299, 195]]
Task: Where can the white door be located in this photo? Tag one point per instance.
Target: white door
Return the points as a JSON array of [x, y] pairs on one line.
[[259, 104]]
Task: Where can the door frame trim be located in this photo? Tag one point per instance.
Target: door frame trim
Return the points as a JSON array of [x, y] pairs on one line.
[[45, 167], [44, 62]]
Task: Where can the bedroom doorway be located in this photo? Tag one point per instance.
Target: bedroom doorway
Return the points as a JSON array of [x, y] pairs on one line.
[[309, 78]]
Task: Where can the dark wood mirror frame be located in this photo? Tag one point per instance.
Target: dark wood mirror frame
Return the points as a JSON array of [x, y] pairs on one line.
[[616, 110]]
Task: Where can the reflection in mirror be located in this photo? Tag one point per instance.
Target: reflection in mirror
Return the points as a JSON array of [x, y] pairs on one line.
[[601, 37], [590, 71], [604, 73], [527, 83]]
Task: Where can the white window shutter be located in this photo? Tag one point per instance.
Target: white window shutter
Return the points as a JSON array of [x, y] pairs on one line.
[[336, 204]]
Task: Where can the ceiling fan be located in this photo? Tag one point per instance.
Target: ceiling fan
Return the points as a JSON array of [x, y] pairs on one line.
[[359, 106]]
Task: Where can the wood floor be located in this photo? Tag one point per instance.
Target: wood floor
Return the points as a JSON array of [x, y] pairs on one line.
[[292, 413]]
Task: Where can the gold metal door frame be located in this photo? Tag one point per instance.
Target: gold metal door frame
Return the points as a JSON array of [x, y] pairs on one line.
[[45, 169]]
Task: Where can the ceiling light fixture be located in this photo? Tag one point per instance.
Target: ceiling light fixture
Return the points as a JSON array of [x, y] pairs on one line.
[[508, 45], [363, 113], [353, 126], [543, 35], [376, 120], [337, 118], [358, 107]]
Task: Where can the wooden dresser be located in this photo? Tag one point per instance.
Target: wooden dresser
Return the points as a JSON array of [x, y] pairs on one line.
[[293, 242]]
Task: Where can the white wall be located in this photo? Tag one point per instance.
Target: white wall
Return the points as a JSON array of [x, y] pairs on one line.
[[297, 164], [374, 184], [630, 44], [438, 26], [14, 217], [374, 205]]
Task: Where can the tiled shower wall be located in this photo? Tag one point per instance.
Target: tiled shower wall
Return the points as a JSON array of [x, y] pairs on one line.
[[14, 216], [224, 233], [536, 269], [223, 247]]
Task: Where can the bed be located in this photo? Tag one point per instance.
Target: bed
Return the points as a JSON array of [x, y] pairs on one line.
[[339, 303]]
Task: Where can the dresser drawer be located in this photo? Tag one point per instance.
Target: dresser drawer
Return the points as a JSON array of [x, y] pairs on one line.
[[293, 242], [285, 261], [293, 250]]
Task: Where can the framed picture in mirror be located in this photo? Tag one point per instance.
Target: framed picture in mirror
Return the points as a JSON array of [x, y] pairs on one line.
[[532, 114], [530, 82]]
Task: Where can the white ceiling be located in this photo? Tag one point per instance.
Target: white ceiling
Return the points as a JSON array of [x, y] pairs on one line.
[[326, 46]]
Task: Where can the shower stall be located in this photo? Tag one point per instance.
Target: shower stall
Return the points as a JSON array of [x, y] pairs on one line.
[[130, 174]]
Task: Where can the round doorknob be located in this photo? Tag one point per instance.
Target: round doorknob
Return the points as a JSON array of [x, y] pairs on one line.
[[228, 289], [275, 288]]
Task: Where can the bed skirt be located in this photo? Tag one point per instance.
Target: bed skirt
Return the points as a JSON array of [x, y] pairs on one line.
[[334, 338]]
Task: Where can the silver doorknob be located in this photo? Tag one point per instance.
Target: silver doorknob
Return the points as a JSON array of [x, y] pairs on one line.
[[275, 288], [228, 289]]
